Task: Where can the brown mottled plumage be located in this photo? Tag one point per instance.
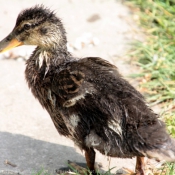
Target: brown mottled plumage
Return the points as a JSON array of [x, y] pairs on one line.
[[87, 99]]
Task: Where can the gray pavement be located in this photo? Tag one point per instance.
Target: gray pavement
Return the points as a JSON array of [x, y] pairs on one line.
[[28, 138]]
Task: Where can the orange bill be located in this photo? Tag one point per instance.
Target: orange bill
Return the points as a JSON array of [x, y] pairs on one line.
[[7, 44]]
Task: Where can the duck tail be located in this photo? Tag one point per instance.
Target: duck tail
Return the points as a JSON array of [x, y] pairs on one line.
[[165, 153]]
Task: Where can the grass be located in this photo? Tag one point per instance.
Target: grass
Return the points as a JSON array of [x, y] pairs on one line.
[[156, 56], [167, 169], [42, 171], [73, 171]]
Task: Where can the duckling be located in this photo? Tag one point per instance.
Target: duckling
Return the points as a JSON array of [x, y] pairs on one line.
[[87, 99]]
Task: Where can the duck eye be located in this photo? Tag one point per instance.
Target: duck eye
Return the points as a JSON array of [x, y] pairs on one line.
[[26, 26]]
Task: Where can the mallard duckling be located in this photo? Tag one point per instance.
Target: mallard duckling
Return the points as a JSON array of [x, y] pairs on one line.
[[87, 99]]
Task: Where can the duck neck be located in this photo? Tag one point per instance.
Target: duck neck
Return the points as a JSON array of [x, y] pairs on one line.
[[50, 57]]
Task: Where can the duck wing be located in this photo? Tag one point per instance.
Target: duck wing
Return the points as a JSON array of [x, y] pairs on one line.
[[104, 111]]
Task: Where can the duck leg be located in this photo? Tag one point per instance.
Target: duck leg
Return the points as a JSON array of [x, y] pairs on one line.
[[90, 159], [140, 165], [141, 168]]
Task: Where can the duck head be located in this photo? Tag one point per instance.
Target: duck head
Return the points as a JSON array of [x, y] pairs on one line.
[[36, 26]]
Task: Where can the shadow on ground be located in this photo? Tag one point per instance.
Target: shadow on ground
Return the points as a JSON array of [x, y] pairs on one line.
[[25, 152]]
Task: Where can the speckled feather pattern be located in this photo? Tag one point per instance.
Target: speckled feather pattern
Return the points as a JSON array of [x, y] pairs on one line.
[[108, 98], [87, 99]]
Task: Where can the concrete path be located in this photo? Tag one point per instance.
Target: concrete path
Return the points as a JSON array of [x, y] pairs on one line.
[[28, 138]]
